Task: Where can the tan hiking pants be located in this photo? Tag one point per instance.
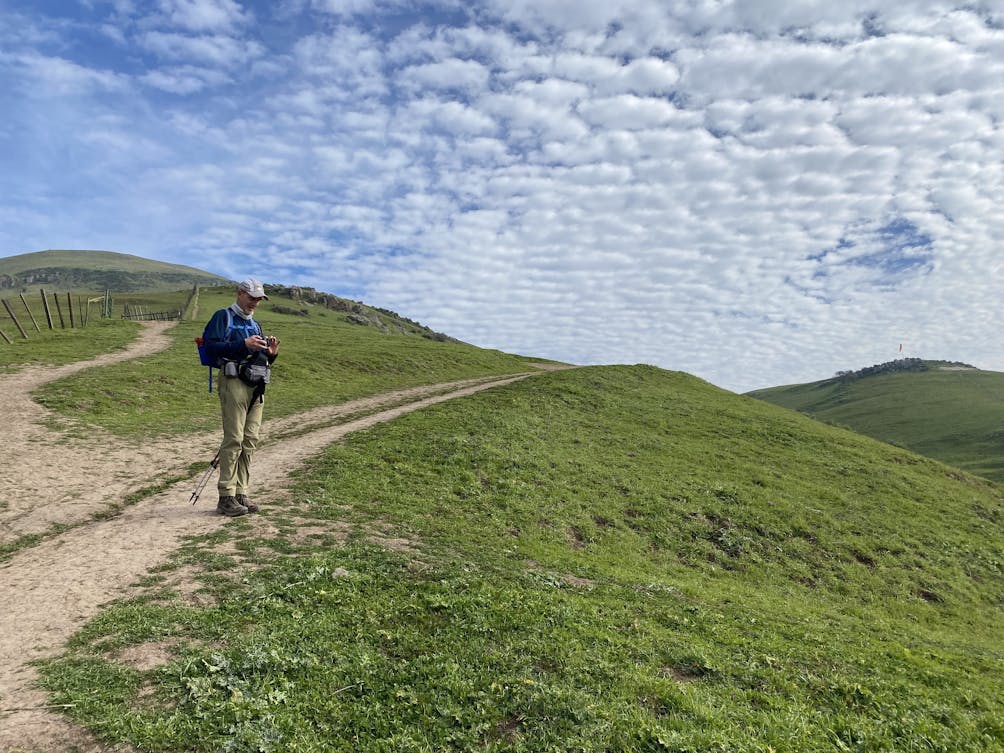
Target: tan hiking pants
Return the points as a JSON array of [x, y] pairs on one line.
[[241, 426]]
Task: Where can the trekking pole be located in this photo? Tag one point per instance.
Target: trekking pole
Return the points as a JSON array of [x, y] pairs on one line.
[[213, 464]]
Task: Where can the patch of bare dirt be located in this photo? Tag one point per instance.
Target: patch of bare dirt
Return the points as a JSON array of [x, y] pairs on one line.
[[49, 590], [146, 656]]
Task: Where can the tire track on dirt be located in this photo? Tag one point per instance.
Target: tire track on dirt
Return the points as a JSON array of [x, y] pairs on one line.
[[50, 590]]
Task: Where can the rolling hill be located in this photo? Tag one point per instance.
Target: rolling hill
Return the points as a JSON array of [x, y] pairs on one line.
[[606, 559], [948, 411], [98, 271]]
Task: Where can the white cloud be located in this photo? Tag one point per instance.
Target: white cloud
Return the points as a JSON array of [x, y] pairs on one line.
[[584, 20], [43, 75], [464, 75], [346, 8], [204, 15], [529, 118], [348, 59], [114, 33], [552, 93], [649, 76], [629, 112], [586, 69], [452, 117], [484, 150], [911, 124], [184, 79], [224, 51]]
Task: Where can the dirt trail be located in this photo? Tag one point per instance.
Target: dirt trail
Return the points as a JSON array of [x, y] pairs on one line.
[[48, 478], [49, 590]]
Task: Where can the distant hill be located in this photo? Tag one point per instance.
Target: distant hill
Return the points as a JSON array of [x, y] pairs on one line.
[[98, 271], [136, 280], [949, 411]]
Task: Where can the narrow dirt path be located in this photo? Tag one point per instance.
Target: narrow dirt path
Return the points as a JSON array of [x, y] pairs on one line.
[[48, 591]]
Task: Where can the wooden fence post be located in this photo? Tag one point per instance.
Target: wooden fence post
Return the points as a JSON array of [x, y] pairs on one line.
[[29, 312], [17, 324], [59, 310], [4, 336], [69, 305], [48, 313]]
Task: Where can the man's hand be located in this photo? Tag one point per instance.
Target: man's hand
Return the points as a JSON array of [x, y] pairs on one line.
[[256, 343]]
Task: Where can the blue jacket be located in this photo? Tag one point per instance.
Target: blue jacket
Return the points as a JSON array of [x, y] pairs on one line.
[[226, 342]]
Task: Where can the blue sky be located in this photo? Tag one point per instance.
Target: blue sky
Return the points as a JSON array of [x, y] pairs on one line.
[[759, 193]]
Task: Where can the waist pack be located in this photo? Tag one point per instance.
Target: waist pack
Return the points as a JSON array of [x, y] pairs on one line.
[[255, 374]]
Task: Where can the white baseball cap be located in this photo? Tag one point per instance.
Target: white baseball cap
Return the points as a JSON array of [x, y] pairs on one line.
[[253, 288]]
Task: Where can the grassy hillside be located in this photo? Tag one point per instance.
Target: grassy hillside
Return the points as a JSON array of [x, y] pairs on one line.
[[951, 414], [605, 559], [324, 358], [143, 286], [97, 271]]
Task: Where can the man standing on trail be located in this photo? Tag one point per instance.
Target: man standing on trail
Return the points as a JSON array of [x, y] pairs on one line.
[[244, 356]]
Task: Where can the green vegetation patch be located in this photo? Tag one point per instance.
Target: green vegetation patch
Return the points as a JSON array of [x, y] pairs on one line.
[[60, 346], [605, 559], [945, 411], [324, 359]]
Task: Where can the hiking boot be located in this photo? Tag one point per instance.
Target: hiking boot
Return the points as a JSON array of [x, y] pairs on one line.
[[230, 507], [245, 500]]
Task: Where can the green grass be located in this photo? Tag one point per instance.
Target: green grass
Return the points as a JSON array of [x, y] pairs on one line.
[[952, 416], [61, 346], [323, 360], [606, 559]]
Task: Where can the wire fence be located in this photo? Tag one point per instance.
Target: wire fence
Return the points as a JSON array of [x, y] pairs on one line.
[[55, 312], [141, 313]]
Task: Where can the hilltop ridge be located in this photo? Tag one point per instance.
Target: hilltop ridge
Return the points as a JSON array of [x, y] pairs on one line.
[[901, 365]]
